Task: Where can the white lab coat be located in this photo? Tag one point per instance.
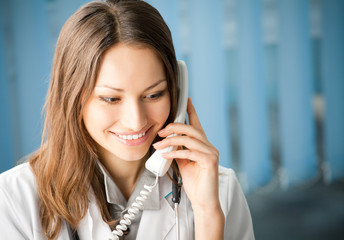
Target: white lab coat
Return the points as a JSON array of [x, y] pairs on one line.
[[20, 205]]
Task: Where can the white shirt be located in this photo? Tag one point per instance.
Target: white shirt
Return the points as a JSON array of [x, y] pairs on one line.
[[20, 208]]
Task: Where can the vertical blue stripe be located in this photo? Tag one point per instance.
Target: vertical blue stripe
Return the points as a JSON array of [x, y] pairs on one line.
[[254, 134], [207, 73], [32, 66], [333, 85], [6, 149], [295, 92], [58, 11]]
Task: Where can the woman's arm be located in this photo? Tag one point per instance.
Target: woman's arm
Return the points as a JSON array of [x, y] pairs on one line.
[[198, 163]]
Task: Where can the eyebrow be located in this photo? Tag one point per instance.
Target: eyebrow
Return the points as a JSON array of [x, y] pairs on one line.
[[122, 90]]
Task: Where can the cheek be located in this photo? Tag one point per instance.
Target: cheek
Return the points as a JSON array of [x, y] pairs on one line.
[[97, 117], [160, 113]]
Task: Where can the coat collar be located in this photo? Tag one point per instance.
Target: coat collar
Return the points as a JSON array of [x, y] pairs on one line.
[[114, 195]]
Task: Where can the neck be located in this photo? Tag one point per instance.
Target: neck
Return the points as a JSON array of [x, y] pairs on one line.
[[124, 173]]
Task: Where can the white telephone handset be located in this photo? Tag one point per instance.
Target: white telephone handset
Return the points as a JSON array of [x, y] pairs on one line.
[[156, 163]]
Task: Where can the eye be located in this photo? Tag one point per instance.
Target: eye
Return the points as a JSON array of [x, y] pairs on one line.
[[155, 95], [110, 99]]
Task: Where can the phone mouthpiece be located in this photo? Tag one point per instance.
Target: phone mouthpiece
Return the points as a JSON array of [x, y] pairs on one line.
[[157, 164]]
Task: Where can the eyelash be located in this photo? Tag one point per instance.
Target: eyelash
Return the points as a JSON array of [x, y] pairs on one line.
[[155, 96], [151, 97], [109, 100]]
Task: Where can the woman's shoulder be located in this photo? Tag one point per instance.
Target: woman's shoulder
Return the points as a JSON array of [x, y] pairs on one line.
[[227, 176], [19, 204], [18, 181], [238, 223], [230, 191], [19, 174], [223, 171]]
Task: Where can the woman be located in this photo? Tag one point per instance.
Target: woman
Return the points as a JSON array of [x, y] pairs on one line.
[[111, 102]]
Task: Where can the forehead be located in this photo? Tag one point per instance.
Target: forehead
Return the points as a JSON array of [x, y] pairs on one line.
[[126, 64]]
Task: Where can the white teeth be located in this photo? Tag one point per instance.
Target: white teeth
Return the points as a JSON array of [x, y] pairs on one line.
[[131, 137]]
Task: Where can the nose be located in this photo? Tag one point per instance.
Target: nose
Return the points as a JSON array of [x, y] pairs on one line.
[[134, 115]]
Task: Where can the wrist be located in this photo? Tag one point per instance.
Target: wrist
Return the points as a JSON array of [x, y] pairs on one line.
[[209, 223], [209, 214], [207, 208]]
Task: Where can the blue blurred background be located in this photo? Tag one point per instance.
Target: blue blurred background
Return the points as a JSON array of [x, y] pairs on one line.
[[267, 79]]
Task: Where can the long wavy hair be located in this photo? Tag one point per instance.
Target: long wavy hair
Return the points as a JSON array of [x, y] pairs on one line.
[[65, 166]]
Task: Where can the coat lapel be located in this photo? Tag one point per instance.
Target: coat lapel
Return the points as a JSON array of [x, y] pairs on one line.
[[92, 227], [156, 224]]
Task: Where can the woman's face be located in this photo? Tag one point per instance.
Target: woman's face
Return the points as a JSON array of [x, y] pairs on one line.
[[129, 104]]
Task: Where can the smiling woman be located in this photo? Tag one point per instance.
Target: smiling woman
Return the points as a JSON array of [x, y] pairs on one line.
[[111, 102]]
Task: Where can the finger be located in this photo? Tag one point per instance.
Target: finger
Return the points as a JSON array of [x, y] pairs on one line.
[[193, 117], [203, 159], [183, 129], [186, 141]]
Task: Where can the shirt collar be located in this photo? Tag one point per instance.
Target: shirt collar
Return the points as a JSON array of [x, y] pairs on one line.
[[115, 196]]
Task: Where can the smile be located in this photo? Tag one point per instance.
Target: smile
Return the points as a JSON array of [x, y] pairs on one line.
[[132, 137]]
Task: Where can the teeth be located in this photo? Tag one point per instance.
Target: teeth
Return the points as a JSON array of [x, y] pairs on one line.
[[131, 137]]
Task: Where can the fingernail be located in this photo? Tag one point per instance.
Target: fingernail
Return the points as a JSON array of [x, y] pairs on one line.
[[161, 131]]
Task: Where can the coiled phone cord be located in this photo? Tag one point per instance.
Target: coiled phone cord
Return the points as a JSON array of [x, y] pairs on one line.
[[133, 210]]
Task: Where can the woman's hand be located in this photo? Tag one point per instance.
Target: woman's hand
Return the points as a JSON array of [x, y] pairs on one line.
[[198, 165]]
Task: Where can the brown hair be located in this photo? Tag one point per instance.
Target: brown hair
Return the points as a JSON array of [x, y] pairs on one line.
[[66, 164]]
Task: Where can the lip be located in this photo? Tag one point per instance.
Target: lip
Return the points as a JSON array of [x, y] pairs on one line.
[[133, 142]]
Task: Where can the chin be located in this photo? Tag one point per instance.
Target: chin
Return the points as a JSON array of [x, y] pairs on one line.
[[132, 154], [123, 154], [132, 158]]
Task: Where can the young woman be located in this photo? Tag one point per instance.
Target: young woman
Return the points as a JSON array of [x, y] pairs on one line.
[[111, 102]]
